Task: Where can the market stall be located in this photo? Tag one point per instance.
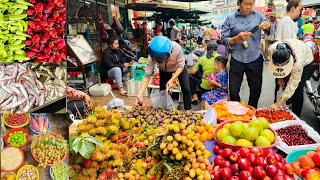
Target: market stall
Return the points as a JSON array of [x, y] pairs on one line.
[[34, 146], [32, 87]]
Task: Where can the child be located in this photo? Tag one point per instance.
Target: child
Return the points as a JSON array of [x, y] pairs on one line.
[[220, 82]]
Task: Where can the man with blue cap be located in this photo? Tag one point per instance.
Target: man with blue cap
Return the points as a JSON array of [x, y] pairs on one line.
[[168, 56]]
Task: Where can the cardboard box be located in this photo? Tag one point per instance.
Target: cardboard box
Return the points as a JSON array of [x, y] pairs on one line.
[[134, 87]]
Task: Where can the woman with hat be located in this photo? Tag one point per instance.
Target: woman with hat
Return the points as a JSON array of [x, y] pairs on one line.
[[291, 66], [168, 56]]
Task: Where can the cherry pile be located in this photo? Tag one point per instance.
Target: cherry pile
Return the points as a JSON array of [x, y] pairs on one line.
[[294, 135]]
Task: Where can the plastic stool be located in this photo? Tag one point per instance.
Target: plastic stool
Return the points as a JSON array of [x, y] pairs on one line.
[[112, 82]]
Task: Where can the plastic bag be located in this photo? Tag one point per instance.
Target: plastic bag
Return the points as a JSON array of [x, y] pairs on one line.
[[210, 117], [115, 102], [162, 100], [279, 93]]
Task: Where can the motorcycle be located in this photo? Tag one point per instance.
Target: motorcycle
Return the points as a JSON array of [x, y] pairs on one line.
[[314, 96]]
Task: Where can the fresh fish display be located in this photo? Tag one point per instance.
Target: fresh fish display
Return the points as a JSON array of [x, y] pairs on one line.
[[26, 86]]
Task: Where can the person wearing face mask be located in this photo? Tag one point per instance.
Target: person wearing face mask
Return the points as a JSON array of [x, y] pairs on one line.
[[168, 56], [287, 28], [291, 66], [244, 45], [115, 64]]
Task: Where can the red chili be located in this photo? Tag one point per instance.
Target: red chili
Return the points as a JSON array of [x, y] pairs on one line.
[[28, 42], [38, 8], [31, 25], [29, 31], [30, 54], [30, 12], [49, 7], [35, 38]]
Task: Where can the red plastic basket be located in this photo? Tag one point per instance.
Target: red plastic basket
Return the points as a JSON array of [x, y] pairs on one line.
[[235, 147], [15, 130], [23, 158], [35, 157]]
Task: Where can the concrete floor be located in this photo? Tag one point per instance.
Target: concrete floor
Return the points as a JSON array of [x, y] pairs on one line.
[[266, 99], [59, 125]]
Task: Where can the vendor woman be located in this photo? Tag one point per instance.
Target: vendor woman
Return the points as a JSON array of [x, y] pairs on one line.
[[291, 65], [169, 58]]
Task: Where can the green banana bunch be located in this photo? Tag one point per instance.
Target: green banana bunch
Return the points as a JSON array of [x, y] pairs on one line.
[[13, 29]]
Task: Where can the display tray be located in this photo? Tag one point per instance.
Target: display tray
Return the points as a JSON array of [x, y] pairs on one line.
[[48, 104]]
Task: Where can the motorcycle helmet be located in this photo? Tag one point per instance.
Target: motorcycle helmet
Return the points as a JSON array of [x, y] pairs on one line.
[[309, 19], [160, 48]]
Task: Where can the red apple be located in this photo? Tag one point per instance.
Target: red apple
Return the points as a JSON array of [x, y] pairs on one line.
[[220, 152], [252, 158], [244, 164], [234, 169], [259, 172], [219, 160], [225, 173], [250, 169], [272, 160], [251, 178], [279, 157], [216, 149], [281, 166], [216, 175], [226, 164], [244, 152], [289, 168], [267, 178], [279, 177], [267, 152], [226, 153], [316, 158], [261, 162], [234, 157], [256, 151], [310, 174], [271, 170], [234, 178], [244, 175]]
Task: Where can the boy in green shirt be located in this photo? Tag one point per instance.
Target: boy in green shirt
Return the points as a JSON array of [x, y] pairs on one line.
[[308, 28]]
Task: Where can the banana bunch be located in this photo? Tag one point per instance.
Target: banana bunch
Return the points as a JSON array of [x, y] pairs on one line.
[[12, 30]]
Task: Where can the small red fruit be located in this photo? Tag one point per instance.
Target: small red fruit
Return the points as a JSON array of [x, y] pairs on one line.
[[234, 169], [216, 174], [252, 158], [244, 152], [226, 173], [316, 158], [244, 175], [261, 162], [271, 170], [250, 169], [267, 152], [259, 172], [289, 168], [256, 151], [281, 166], [244, 164], [234, 157], [272, 160], [216, 149], [218, 161], [226, 164], [109, 172], [267, 178], [87, 163], [279, 177], [234, 178], [226, 153], [279, 157]]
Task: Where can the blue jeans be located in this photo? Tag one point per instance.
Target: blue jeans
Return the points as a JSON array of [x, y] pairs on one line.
[[116, 73]]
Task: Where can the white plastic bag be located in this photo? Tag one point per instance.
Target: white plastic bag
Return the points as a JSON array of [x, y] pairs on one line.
[[210, 117], [162, 100], [115, 102], [100, 90], [279, 93]]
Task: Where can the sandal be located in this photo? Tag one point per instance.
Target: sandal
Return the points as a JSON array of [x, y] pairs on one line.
[[195, 102], [123, 92]]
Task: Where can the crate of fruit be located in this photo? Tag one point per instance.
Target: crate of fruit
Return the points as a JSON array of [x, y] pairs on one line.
[[295, 135], [230, 110], [276, 116]]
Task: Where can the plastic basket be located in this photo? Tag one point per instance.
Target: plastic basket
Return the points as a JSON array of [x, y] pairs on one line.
[[35, 157], [51, 174], [294, 155], [26, 166], [15, 130], [4, 116], [36, 132], [235, 147]]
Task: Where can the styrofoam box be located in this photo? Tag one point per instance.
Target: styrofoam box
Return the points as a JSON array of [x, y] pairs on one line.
[[311, 133], [134, 87]]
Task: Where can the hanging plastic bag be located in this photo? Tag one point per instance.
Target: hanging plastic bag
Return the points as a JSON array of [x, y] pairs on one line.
[[162, 100], [210, 117], [279, 93]]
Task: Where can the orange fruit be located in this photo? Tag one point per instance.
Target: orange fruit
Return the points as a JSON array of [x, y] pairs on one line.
[[210, 130], [222, 102], [207, 126], [197, 135], [250, 112], [201, 129], [203, 137], [246, 116], [306, 162], [310, 153], [210, 136], [223, 108], [243, 103]]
